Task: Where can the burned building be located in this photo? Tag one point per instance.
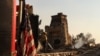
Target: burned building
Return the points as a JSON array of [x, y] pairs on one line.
[[57, 32]]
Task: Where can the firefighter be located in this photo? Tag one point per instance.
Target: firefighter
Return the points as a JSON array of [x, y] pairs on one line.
[[43, 40]]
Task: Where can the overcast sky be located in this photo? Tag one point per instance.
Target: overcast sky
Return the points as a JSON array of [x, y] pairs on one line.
[[82, 15]]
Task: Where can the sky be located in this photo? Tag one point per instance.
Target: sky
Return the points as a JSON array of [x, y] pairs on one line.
[[82, 15]]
